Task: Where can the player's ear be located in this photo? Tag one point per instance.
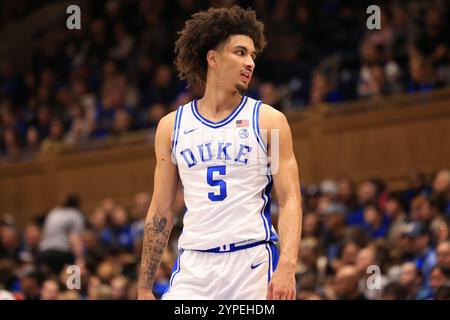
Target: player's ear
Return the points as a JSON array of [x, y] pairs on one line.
[[211, 58]]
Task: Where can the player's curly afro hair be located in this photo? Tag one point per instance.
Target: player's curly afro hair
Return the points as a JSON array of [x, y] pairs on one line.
[[205, 31]]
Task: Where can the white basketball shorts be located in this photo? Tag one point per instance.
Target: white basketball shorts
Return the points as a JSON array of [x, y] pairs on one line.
[[238, 275]]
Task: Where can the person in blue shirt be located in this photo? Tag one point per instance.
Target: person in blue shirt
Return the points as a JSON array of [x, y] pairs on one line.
[[367, 195], [119, 236], [412, 280], [376, 223], [334, 230], [424, 255]]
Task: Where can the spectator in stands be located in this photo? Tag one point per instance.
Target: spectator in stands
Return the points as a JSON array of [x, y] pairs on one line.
[[12, 149], [124, 43], [161, 88], [268, 92], [423, 77], [347, 255], [346, 284], [424, 255], [432, 42], [43, 119], [107, 270], [81, 126], [370, 55], [10, 243], [441, 187], [417, 185], [394, 291], [55, 141], [330, 189], [376, 85], [439, 276], [397, 215], [426, 211], [367, 258], [119, 288], [113, 99], [141, 203], [376, 222], [310, 265], [119, 235], [69, 295], [334, 230], [61, 236], [403, 247], [97, 290], [108, 205], [311, 225], [50, 290], [33, 141], [443, 254], [30, 285], [322, 90], [366, 195], [32, 238], [154, 113], [443, 292], [346, 193], [94, 252], [412, 280], [122, 122], [442, 231]]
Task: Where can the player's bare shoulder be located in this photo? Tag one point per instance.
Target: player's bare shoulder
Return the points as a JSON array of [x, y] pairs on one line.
[[165, 125], [164, 130], [168, 120], [271, 118]]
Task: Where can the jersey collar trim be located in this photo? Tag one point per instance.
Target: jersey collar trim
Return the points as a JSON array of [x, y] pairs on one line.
[[221, 123]]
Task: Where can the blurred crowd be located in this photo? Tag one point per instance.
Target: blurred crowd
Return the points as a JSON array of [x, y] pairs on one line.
[[359, 241], [116, 74]]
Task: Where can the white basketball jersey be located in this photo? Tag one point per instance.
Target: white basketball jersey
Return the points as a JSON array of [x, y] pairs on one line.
[[223, 167]]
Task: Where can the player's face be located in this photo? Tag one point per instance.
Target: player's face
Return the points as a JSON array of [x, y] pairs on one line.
[[236, 62]]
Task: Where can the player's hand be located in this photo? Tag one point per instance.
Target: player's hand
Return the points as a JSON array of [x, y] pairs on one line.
[[282, 284], [145, 294]]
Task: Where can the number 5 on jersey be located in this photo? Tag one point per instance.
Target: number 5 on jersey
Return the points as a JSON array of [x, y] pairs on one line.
[[221, 170]]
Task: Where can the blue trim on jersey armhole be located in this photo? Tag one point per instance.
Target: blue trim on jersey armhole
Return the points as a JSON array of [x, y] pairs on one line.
[[175, 270], [221, 123], [175, 126], [256, 129], [176, 129], [268, 190], [273, 236], [266, 198]]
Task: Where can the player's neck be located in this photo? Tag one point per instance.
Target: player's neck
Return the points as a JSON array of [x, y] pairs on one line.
[[218, 101]]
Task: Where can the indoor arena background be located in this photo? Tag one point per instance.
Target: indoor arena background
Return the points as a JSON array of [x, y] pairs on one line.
[[370, 117]]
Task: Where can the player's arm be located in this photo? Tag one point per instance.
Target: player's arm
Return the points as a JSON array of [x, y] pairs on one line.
[[287, 188], [159, 220]]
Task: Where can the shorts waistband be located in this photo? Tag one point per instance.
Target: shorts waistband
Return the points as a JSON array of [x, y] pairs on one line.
[[234, 246]]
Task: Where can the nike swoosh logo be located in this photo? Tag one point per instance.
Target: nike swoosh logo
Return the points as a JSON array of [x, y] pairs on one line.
[[189, 131], [254, 266]]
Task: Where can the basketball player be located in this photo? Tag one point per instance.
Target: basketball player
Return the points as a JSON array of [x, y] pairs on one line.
[[217, 148]]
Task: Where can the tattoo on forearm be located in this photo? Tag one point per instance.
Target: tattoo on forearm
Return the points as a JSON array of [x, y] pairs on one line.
[[156, 236], [159, 225]]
